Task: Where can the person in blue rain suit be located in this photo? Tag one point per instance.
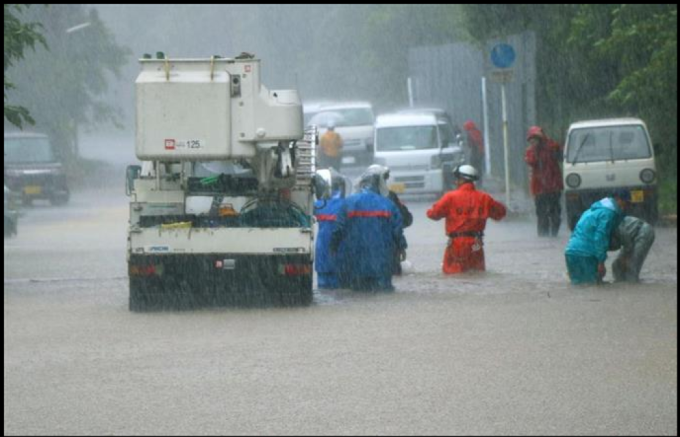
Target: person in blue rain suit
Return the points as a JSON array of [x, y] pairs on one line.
[[586, 250], [369, 226], [326, 264], [406, 216]]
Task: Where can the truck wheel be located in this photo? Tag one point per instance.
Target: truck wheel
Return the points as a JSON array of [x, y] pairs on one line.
[[137, 302], [300, 295]]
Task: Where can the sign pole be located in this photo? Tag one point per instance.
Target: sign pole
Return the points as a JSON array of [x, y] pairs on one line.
[[503, 56], [485, 117], [410, 92], [505, 145]]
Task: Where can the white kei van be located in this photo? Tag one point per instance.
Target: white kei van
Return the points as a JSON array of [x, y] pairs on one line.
[[420, 150], [603, 155]]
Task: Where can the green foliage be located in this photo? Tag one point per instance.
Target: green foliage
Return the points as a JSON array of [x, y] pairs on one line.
[[18, 37], [600, 60], [63, 86]]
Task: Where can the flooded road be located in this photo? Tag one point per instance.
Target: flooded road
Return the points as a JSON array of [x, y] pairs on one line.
[[515, 350]]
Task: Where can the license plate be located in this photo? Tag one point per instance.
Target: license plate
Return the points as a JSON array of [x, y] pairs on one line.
[[398, 187], [637, 196], [348, 160], [32, 189]]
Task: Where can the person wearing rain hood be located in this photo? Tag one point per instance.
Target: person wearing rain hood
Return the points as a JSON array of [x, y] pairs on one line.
[[634, 237], [330, 146], [586, 250], [369, 226], [475, 143], [406, 216], [466, 211], [326, 264], [543, 156]]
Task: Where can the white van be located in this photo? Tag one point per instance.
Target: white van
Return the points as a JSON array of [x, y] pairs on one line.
[[354, 123], [603, 155], [420, 150]]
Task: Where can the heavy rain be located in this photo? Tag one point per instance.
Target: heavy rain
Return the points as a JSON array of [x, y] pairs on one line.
[[168, 183]]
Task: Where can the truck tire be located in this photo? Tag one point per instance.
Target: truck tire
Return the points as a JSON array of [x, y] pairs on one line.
[[302, 295], [136, 303]]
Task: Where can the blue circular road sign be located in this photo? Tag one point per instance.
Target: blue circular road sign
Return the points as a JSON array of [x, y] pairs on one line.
[[503, 56]]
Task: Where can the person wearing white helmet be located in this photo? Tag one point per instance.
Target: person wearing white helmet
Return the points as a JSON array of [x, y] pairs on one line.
[[330, 148], [406, 216], [466, 211], [369, 229]]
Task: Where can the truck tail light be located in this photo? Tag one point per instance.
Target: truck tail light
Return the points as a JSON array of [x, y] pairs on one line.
[[149, 270], [297, 269]]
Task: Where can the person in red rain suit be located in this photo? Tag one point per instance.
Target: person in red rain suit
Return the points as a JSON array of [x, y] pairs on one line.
[[466, 211], [543, 156], [475, 142]]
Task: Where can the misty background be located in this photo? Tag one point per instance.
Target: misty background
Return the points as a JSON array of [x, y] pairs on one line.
[[575, 62]]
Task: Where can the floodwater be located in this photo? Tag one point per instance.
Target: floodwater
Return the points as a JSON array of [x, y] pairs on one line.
[[514, 350]]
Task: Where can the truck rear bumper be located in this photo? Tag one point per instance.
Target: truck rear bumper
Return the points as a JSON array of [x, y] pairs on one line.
[[177, 281]]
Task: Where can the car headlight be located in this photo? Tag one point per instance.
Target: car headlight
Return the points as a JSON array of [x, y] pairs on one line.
[[573, 180], [647, 176]]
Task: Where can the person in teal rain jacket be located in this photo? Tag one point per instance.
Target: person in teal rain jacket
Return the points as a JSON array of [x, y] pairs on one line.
[[586, 250], [369, 226]]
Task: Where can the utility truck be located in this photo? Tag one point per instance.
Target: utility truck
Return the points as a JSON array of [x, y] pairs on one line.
[[221, 207]]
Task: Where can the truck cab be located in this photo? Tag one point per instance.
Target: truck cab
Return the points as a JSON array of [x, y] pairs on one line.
[[603, 155]]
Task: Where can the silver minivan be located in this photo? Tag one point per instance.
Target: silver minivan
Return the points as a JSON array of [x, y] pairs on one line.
[[420, 149], [354, 123]]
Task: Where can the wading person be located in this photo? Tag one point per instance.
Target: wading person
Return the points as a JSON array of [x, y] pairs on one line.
[[634, 237], [466, 211], [327, 264], [586, 250], [406, 216], [369, 226]]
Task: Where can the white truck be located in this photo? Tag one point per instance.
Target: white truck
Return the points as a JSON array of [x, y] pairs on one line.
[[221, 209]]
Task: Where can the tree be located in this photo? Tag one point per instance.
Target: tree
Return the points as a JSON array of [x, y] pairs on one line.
[[641, 41], [18, 37], [63, 86]]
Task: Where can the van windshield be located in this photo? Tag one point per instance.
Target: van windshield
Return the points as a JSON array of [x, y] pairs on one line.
[[343, 117], [406, 138], [609, 143], [28, 150]]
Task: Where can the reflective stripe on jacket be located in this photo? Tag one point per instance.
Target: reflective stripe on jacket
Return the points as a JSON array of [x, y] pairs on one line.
[[326, 214], [370, 228]]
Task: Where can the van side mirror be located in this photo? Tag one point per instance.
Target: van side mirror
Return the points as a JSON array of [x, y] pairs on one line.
[[132, 172]]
